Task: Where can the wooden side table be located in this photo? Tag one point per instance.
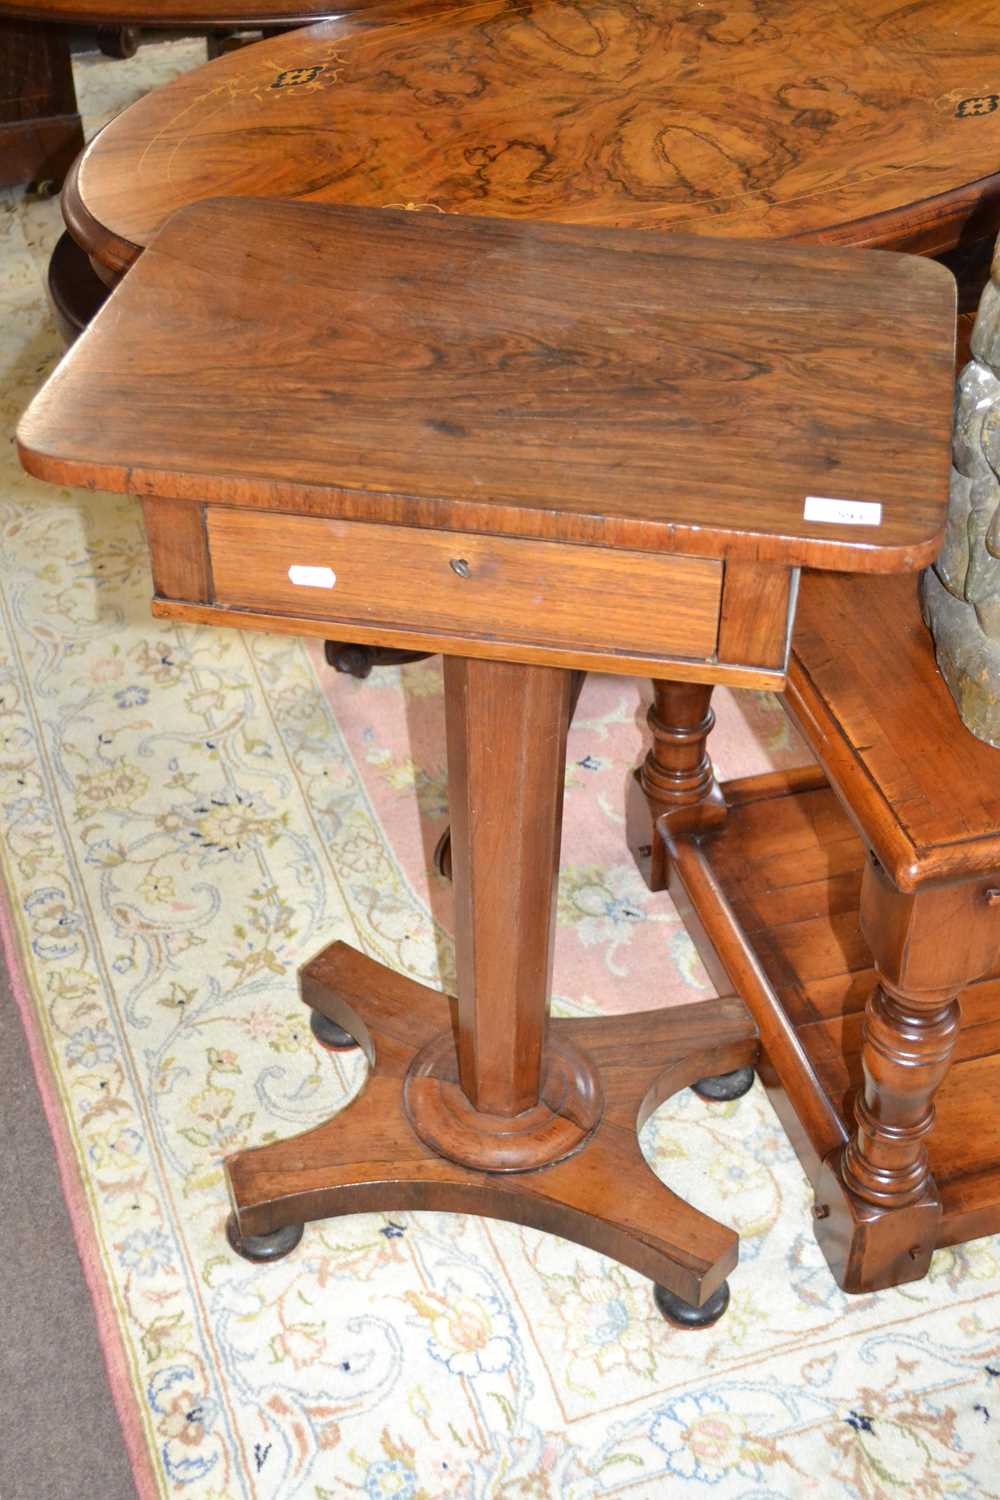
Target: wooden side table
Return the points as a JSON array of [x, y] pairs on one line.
[[536, 449]]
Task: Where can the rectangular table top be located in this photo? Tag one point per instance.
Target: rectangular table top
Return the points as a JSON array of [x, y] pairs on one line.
[[564, 382]]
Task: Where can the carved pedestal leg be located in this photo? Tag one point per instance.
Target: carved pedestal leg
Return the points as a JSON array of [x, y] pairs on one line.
[[442, 852], [888, 1208], [676, 780], [467, 1099]]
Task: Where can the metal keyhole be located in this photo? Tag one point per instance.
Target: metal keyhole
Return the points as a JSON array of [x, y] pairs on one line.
[[460, 566]]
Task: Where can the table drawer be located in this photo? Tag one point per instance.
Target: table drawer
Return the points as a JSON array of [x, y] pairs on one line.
[[489, 587]]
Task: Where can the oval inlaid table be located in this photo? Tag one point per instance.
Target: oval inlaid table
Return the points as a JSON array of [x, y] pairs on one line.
[[537, 449], [857, 122]]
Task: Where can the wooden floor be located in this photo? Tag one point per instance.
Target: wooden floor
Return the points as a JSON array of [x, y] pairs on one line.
[[790, 866]]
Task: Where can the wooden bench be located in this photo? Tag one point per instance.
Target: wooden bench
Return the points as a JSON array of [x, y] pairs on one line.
[[855, 906]]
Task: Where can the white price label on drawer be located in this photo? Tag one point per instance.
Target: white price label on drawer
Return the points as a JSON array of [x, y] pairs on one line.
[[312, 578], [842, 512]]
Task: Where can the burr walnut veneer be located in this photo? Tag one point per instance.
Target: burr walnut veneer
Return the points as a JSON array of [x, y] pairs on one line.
[[860, 122], [589, 449], [856, 121]]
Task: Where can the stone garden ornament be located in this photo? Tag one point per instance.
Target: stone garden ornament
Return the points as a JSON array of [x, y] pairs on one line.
[[961, 592]]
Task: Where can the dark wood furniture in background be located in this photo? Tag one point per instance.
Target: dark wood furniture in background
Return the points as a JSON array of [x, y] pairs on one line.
[[40, 130], [198, 14], [536, 449]]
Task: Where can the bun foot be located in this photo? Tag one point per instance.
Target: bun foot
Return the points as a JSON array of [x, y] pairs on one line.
[[357, 661], [684, 1314], [442, 855], [262, 1248], [726, 1086], [335, 1038]]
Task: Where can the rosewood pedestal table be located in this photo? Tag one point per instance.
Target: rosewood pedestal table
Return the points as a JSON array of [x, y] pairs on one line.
[[536, 449]]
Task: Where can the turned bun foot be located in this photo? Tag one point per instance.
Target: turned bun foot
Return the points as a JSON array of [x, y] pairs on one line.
[[335, 1038], [262, 1248], [120, 42], [442, 855], [357, 661], [684, 1314], [726, 1086]]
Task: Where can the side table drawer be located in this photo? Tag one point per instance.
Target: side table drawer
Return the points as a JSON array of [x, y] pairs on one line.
[[490, 587]]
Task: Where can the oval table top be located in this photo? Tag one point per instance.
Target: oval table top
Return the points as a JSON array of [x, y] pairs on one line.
[[853, 121], [170, 13]]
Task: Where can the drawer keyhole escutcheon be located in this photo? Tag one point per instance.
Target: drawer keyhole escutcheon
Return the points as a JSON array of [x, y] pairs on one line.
[[460, 566]]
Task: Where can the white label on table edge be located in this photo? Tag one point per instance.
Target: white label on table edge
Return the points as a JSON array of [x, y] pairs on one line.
[[312, 578], [842, 512]]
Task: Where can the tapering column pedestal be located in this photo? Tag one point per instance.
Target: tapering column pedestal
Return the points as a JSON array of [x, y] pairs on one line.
[[482, 1104]]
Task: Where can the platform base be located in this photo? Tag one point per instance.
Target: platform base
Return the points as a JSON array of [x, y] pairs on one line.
[[602, 1195]]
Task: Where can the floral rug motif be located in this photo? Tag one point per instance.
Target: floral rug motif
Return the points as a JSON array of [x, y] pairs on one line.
[[187, 814]]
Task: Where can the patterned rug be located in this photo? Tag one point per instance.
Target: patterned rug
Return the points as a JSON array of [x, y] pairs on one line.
[[187, 814]]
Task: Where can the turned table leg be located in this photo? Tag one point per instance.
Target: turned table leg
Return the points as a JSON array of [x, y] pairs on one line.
[[907, 1045], [882, 1230], [676, 781], [911, 1027], [483, 1104]]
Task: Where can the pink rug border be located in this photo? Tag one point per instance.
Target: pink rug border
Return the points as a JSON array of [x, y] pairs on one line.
[[108, 1332]]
